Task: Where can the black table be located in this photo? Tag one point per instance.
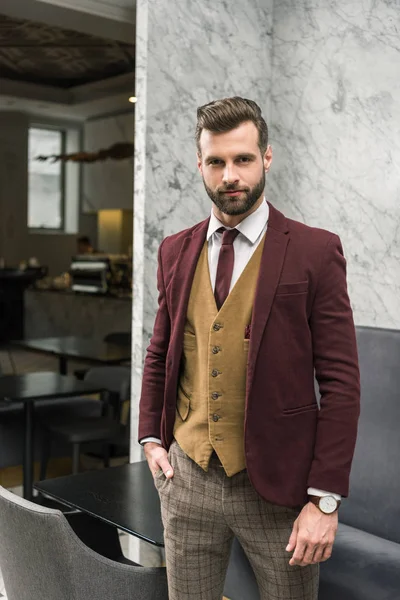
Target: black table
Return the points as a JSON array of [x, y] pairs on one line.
[[38, 386], [124, 497], [85, 349]]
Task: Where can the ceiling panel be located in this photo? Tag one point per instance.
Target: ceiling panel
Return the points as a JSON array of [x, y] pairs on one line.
[[39, 53]]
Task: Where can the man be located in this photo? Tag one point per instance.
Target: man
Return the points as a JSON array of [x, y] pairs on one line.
[[84, 245], [250, 303]]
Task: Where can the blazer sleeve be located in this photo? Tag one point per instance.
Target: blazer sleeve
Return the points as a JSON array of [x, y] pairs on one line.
[[337, 373], [153, 381]]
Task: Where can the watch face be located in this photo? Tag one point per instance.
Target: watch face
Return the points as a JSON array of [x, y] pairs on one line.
[[328, 504]]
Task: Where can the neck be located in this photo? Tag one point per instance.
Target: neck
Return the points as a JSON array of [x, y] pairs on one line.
[[233, 220]]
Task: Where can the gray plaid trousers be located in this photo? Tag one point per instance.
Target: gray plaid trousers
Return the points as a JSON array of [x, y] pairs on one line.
[[202, 512]]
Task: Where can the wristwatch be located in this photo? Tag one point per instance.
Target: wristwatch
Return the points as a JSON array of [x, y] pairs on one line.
[[326, 504]]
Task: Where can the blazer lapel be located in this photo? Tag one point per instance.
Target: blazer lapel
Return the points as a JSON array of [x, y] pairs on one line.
[[182, 279], [273, 256]]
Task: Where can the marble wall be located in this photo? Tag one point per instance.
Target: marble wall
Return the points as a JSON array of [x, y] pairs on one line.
[[187, 54], [335, 131], [108, 184]]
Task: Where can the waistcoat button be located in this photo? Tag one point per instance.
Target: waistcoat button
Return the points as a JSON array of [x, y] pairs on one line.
[[217, 326], [216, 418], [215, 395], [216, 349]]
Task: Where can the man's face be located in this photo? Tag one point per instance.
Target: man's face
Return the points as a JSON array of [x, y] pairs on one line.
[[233, 168]]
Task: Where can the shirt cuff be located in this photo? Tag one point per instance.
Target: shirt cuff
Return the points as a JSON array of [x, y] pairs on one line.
[[316, 492], [150, 439]]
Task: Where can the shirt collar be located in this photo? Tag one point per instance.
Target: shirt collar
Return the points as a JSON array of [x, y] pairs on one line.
[[251, 227]]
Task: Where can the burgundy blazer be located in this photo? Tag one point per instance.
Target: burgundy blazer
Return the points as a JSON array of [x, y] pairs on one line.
[[302, 320]]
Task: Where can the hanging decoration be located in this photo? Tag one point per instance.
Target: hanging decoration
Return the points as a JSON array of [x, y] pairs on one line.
[[119, 151]]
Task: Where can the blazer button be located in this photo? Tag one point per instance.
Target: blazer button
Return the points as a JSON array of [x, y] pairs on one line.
[[216, 418], [217, 326], [216, 349], [215, 395], [214, 372]]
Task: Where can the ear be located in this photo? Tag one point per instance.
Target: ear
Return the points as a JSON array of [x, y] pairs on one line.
[[267, 158], [199, 164]]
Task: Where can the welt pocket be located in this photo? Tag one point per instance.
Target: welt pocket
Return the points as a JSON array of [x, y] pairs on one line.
[[183, 403], [285, 289], [300, 409], [189, 341]]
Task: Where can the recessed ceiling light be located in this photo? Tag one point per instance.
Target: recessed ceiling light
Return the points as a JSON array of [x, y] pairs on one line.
[[133, 99]]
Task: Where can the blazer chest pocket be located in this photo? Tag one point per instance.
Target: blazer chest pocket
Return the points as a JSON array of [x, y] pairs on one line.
[[288, 289]]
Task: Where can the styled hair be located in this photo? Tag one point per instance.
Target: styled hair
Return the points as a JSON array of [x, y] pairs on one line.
[[83, 239], [226, 114]]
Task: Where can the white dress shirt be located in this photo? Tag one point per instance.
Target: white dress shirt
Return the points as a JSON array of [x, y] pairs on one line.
[[252, 230]]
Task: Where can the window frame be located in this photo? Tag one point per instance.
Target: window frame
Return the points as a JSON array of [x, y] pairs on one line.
[[61, 229]]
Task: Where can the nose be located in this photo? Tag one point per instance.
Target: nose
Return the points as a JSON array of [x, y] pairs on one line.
[[229, 175]]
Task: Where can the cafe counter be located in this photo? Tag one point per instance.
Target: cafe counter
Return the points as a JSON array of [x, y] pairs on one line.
[[50, 313]]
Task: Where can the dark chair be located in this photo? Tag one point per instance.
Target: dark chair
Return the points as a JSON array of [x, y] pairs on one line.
[[12, 427], [44, 555], [120, 338], [104, 429], [365, 563]]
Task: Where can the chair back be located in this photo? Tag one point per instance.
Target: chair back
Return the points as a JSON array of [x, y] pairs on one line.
[[42, 557], [116, 380], [373, 504], [122, 338]]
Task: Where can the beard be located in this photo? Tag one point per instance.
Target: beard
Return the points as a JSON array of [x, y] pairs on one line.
[[236, 205]]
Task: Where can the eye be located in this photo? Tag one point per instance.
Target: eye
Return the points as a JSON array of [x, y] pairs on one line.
[[244, 159], [215, 162]]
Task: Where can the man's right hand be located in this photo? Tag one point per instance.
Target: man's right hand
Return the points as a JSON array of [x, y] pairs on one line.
[[157, 458]]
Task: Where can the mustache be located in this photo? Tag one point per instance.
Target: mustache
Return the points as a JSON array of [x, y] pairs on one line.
[[231, 188]]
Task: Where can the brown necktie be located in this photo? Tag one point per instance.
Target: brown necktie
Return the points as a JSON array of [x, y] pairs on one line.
[[226, 261]]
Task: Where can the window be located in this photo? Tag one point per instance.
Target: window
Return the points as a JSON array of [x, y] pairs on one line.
[[46, 179]]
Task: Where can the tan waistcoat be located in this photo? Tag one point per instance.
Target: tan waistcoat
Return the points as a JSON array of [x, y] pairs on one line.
[[212, 387]]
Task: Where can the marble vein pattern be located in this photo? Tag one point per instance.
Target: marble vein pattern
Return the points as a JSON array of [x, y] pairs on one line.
[[335, 108]]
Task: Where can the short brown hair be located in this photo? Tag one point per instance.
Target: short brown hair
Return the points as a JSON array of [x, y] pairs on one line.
[[223, 115]]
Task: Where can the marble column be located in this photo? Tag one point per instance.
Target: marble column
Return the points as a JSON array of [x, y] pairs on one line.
[[335, 116]]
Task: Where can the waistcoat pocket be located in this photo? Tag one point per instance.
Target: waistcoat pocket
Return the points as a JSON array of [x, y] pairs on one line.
[[183, 403]]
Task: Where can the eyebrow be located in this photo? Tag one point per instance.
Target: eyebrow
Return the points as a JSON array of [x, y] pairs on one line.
[[241, 155]]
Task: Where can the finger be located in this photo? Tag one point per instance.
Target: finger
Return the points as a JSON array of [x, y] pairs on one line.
[[293, 538], [319, 551], [327, 553], [308, 557], [299, 551], [164, 464]]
